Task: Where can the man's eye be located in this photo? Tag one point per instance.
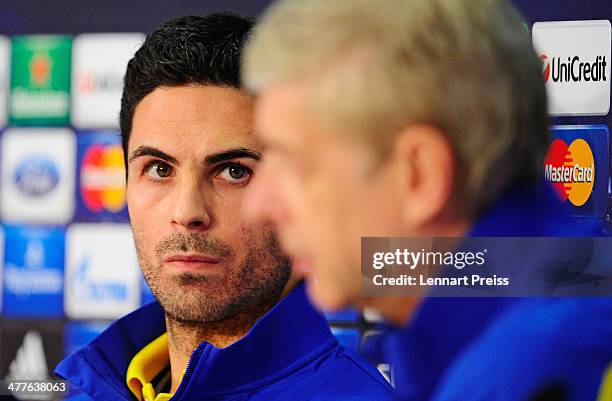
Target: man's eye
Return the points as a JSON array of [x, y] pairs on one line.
[[158, 171], [235, 173]]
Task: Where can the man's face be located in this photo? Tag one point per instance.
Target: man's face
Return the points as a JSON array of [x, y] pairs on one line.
[[321, 191], [191, 156]]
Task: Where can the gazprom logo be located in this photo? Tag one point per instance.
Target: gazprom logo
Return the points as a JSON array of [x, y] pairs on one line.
[[93, 287], [36, 176]]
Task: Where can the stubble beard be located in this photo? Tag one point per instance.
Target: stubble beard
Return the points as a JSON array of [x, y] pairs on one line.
[[254, 285]]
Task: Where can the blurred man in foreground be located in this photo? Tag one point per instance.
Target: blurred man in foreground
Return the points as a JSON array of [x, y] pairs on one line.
[[417, 119], [231, 323]]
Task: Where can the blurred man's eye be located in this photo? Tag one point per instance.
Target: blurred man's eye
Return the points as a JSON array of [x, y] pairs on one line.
[[235, 174], [158, 170]]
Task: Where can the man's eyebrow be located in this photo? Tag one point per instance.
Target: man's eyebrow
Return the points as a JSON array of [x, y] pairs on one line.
[[149, 151], [231, 154]]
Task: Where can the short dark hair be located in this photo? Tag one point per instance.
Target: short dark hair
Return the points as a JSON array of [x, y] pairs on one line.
[[203, 50]]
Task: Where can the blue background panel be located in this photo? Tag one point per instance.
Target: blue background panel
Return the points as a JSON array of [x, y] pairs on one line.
[[33, 272]]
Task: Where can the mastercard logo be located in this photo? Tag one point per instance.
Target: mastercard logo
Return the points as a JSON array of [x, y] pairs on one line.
[[571, 170], [103, 178], [545, 66]]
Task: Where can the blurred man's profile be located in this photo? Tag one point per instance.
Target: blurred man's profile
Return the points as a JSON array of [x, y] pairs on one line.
[[417, 119], [230, 322]]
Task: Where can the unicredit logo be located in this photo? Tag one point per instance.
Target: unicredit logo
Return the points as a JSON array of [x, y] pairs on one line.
[[574, 69], [571, 170]]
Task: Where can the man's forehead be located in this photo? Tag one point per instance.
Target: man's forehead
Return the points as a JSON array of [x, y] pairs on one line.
[[192, 132], [196, 119], [199, 122], [184, 103]]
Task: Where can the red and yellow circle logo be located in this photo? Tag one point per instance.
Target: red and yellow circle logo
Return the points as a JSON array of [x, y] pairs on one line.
[[571, 170], [545, 66], [103, 178]]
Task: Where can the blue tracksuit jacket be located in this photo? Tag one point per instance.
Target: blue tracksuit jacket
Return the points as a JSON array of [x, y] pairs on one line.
[[506, 349], [288, 355]]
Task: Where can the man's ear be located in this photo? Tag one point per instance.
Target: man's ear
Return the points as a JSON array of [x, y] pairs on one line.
[[425, 163]]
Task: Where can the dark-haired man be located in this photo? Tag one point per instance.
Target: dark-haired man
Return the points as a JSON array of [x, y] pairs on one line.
[[231, 322]]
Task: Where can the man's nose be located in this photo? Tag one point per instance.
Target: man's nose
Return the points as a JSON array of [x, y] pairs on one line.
[[191, 208]]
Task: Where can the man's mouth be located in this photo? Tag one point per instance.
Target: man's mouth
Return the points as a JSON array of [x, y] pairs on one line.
[[192, 262]]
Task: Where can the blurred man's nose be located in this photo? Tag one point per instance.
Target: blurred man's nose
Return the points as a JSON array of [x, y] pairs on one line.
[[191, 209], [262, 202]]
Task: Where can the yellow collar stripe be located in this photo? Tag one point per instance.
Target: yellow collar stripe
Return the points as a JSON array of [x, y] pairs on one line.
[[145, 365], [605, 392]]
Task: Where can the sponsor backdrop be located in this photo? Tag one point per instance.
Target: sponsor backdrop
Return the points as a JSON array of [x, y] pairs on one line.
[[62, 190]]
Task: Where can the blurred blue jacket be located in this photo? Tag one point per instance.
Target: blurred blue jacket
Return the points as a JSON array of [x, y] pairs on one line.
[[289, 354], [506, 349]]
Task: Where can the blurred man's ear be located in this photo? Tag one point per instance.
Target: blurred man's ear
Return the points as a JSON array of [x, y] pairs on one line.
[[425, 166]]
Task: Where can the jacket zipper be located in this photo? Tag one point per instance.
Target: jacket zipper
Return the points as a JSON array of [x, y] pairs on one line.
[[188, 368]]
